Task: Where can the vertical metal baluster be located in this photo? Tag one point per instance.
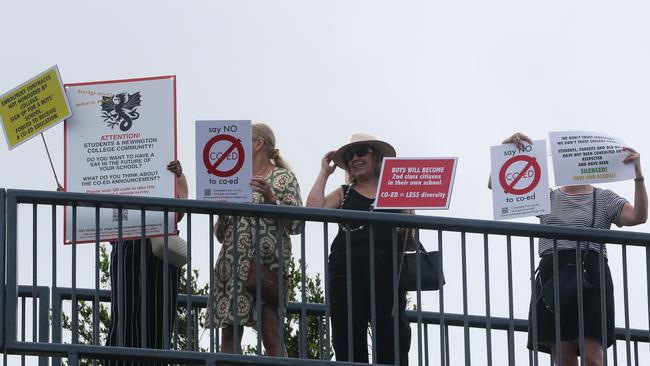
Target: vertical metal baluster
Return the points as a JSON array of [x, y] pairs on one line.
[[189, 282], [426, 344], [197, 311], [34, 271], [626, 308], [603, 304], [348, 276], [166, 280], [373, 295], [234, 277], [647, 274], [56, 316], [581, 316], [210, 289], [463, 248], [636, 353], [282, 313], [556, 290], [120, 280], [75, 307], [3, 247], [22, 327], [444, 345], [418, 279], [396, 332], [511, 306], [258, 285], [533, 291], [328, 348], [615, 353], [303, 299], [488, 320], [143, 280], [96, 297]]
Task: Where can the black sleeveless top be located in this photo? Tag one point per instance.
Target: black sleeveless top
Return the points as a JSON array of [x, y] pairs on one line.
[[360, 234]]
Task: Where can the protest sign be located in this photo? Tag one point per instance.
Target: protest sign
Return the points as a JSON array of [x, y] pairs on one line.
[[581, 157], [119, 141], [224, 161], [33, 107], [415, 183], [519, 180]]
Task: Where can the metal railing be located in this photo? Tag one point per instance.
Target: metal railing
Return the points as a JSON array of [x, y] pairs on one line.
[[451, 348]]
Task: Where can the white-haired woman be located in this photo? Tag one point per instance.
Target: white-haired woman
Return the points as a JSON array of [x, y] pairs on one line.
[[273, 183]]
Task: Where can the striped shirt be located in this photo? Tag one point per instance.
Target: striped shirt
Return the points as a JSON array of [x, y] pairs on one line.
[[576, 210]]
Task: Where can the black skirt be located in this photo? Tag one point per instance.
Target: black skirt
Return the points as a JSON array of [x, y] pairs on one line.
[[569, 327]]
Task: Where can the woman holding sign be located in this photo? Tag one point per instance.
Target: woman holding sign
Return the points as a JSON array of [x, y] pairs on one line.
[[583, 206], [273, 183], [131, 296], [361, 159]]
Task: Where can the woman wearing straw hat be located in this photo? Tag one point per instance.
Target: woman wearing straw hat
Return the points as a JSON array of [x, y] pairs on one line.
[[361, 159]]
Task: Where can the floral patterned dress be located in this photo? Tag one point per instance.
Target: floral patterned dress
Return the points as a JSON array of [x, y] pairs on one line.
[[285, 186]]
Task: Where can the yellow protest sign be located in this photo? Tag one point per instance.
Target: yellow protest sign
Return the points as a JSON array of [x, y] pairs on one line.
[[33, 107]]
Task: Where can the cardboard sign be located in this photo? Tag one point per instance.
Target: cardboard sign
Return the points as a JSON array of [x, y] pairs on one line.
[[519, 180], [224, 161], [581, 157], [415, 183], [119, 141], [33, 107]]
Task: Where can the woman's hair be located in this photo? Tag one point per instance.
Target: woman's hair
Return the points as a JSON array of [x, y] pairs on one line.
[[379, 158], [264, 132]]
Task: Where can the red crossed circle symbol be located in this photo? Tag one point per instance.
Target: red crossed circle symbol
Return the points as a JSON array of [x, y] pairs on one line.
[[510, 187], [213, 167]]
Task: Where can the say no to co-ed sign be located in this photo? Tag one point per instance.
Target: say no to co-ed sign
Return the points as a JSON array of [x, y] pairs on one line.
[[519, 180], [223, 160]]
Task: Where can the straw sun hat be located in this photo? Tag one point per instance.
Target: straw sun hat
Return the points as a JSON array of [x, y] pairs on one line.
[[383, 148]]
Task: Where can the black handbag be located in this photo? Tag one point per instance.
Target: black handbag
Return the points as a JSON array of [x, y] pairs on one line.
[[428, 271], [567, 282], [429, 274]]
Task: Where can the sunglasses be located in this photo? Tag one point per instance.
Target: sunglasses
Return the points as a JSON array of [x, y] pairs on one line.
[[359, 151]]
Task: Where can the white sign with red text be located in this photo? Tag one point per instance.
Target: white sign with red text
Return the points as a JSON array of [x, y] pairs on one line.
[[519, 180], [416, 183], [119, 141], [224, 161]]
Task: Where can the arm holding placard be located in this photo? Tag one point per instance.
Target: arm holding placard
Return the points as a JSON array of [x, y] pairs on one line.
[[176, 168], [518, 139], [637, 214]]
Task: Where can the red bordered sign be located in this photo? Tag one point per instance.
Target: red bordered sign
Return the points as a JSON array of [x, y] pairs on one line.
[[416, 183]]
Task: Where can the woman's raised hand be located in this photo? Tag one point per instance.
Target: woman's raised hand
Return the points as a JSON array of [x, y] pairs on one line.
[[633, 157], [326, 165], [518, 139]]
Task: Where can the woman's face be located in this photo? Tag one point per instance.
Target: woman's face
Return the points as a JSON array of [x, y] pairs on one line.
[[360, 161]]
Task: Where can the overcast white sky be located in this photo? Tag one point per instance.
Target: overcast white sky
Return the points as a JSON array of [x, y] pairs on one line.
[[434, 78]]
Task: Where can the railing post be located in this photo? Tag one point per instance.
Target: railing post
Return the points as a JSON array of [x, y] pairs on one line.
[[3, 244], [11, 260]]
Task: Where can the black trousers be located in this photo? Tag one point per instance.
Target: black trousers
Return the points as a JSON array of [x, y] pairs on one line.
[[361, 311], [132, 301]]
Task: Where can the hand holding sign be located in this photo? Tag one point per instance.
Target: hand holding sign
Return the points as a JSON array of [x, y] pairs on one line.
[[633, 157]]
